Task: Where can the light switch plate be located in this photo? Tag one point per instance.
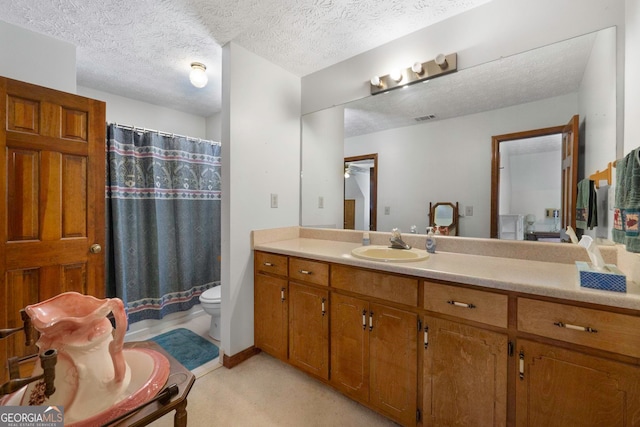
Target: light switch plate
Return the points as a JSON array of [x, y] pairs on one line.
[[274, 200]]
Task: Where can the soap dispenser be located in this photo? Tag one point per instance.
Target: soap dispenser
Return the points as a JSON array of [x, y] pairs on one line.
[[431, 241]]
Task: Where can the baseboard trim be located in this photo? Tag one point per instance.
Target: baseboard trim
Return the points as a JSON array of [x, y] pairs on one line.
[[231, 361]]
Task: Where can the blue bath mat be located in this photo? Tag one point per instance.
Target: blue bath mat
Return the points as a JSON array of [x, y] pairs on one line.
[[189, 349]]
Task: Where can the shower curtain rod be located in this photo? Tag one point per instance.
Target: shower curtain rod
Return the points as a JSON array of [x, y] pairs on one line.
[[136, 128]]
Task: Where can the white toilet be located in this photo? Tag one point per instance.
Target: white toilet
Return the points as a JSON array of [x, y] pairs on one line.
[[210, 300]]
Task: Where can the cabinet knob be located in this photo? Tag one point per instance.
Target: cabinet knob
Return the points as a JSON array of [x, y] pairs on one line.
[[95, 248]]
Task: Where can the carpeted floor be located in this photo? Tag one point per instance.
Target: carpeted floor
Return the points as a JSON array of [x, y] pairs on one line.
[[189, 349], [265, 392]]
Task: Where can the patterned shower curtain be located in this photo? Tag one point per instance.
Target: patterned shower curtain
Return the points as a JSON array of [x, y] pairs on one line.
[[163, 220]]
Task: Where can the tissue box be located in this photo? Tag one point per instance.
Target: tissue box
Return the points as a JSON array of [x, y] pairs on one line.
[[610, 279]]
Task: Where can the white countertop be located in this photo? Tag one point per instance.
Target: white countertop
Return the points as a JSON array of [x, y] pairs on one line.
[[531, 277]]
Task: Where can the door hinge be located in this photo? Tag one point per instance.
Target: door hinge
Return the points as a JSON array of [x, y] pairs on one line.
[[521, 366], [510, 348], [418, 415], [419, 324]]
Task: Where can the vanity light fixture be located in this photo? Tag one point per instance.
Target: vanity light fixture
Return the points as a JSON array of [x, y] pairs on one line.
[[198, 75], [418, 72]]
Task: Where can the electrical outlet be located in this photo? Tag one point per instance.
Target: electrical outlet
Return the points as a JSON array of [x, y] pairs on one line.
[[468, 211], [274, 200], [321, 202], [387, 210]]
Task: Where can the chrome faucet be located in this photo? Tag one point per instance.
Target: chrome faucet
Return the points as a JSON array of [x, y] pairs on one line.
[[396, 240]]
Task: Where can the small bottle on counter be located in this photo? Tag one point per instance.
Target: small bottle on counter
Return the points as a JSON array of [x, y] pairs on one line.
[[431, 241], [365, 239]]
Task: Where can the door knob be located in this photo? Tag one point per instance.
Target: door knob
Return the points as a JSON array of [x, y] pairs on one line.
[[95, 248]]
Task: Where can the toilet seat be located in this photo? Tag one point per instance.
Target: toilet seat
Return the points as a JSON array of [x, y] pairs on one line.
[[211, 295]]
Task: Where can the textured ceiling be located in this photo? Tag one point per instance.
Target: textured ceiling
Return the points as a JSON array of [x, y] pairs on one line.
[[541, 73], [142, 49]]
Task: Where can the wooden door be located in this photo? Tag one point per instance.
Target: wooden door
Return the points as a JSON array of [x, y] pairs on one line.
[[393, 349], [570, 171], [465, 376], [560, 388], [349, 214], [350, 346], [52, 174], [270, 315], [309, 329]]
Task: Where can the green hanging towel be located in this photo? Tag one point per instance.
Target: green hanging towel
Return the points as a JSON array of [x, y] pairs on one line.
[[586, 205]]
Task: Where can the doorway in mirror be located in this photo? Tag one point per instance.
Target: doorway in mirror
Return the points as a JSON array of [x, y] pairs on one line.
[[361, 192]]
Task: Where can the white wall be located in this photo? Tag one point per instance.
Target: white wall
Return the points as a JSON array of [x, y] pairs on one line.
[[596, 101], [323, 168], [260, 156], [632, 82], [37, 59], [130, 112], [536, 185], [448, 160]]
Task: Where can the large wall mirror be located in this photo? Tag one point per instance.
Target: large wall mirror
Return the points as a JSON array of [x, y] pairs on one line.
[[434, 139]]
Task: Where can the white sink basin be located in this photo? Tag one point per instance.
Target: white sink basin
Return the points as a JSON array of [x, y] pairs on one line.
[[386, 254]]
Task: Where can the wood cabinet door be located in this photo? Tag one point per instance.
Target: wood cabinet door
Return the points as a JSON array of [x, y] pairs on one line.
[[309, 329], [52, 190], [393, 356], [270, 315], [559, 388], [465, 375], [350, 346]]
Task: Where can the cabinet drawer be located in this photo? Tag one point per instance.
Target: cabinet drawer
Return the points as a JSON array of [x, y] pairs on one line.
[[309, 271], [403, 290], [271, 263], [618, 333], [470, 304]]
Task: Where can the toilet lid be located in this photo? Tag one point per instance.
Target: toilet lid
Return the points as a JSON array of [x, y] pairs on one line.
[[211, 295]]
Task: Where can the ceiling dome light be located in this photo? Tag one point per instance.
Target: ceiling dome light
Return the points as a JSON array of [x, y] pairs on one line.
[[198, 75]]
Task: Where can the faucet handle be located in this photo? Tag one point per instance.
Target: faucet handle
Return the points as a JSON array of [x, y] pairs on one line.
[[395, 232]]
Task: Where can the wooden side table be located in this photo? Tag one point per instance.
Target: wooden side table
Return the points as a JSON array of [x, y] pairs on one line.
[[178, 375]]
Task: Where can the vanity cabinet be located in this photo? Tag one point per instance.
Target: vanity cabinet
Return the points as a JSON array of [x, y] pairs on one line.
[[271, 312], [557, 387], [465, 367], [433, 353], [374, 355], [561, 384], [309, 329]]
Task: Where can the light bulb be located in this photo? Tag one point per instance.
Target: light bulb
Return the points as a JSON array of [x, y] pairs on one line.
[[198, 75], [441, 61], [417, 68], [375, 81], [396, 75]]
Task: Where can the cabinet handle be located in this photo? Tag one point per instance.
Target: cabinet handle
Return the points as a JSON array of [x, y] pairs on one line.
[[323, 312], [461, 304], [521, 367], [426, 337], [364, 319], [282, 294], [305, 272], [370, 321], [575, 327], [268, 264]]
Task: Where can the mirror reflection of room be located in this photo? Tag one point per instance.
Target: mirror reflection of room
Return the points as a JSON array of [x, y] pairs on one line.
[[433, 139]]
